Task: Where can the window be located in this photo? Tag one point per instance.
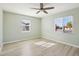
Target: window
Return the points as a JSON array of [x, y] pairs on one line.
[[67, 24], [64, 24], [26, 24]]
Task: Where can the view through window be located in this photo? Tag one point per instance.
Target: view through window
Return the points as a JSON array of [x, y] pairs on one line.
[[64, 24], [26, 24]]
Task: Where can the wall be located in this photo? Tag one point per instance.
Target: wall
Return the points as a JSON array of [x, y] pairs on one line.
[[13, 31], [48, 30], [1, 28]]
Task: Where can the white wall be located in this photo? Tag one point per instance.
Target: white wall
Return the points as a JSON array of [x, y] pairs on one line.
[[48, 30], [13, 31], [1, 28]]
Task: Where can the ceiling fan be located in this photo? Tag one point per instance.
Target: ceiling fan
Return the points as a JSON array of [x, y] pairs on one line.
[[43, 9]]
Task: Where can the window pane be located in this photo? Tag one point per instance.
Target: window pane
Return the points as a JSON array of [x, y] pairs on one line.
[[26, 25]]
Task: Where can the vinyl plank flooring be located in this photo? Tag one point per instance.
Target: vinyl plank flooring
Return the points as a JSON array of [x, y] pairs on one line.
[[29, 48]]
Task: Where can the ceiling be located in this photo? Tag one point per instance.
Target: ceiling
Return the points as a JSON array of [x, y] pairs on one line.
[[25, 8]]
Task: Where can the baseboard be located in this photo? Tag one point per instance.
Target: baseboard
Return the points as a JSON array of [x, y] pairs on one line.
[[47, 39], [12, 41], [19, 40], [62, 42]]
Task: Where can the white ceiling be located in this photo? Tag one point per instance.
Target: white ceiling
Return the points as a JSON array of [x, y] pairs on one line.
[[25, 8]]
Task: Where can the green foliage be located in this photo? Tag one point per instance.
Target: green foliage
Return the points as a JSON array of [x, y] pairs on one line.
[[69, 24]]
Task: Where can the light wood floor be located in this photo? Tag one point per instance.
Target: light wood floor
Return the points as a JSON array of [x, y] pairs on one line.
[[29, 48]]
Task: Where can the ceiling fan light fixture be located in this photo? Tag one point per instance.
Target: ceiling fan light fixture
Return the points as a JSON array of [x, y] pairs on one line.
[[43, 9]]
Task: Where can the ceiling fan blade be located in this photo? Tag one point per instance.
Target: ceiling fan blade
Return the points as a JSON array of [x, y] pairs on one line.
[[41, 5], [37, 12], [35, 8], [48, 8], [45, 11]]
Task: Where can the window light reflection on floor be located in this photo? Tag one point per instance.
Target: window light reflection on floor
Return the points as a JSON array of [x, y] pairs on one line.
[[45, 44]]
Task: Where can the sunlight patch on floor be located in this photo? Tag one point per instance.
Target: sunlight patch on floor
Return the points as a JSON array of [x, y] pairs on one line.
[[44, 44]]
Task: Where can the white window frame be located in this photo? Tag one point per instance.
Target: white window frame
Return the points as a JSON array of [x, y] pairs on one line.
[[24, 24]]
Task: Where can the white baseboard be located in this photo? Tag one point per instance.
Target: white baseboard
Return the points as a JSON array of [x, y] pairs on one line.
[[62, 42], [18, 40], [12, 41], [47, 39]]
